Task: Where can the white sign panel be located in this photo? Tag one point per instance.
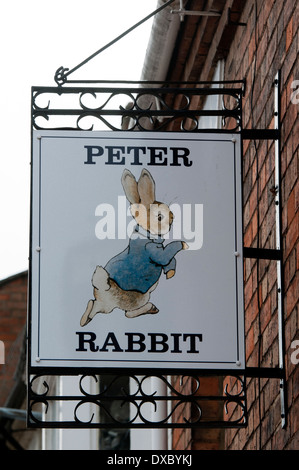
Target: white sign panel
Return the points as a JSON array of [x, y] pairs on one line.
[[136, 258]]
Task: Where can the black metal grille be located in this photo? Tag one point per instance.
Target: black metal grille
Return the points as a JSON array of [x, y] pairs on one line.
[[140, 108], [132, 405]]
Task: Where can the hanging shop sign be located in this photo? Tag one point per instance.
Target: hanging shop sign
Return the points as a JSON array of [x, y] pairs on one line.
[[136, 251]]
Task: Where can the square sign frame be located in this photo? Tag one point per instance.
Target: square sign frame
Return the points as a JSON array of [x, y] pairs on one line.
[[105, 296]]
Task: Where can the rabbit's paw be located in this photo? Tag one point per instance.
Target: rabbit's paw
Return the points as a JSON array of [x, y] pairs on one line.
[[170, 274], [152, 310], [85, 317]]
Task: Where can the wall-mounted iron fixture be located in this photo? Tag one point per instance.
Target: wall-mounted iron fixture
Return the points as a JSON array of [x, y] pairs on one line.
[[182, 12]]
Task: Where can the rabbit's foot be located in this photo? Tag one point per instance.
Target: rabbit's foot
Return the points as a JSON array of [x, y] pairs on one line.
[[146, 309], [153, 310], [85, 317], [170, 274]]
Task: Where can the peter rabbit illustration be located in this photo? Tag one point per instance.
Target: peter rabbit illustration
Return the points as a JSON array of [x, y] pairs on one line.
[[127, 280]]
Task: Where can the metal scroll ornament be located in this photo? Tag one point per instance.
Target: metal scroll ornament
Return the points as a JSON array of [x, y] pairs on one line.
[[129, 402], [131, 109]]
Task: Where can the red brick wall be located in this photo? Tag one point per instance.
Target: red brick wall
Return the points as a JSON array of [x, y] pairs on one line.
[[268, 43], [13, 312], [200, 438]]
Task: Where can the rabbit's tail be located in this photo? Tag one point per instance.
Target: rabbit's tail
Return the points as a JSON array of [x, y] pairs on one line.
[[100, 279]]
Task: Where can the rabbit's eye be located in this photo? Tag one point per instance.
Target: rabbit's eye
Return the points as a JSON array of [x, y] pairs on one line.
[[160, 217]]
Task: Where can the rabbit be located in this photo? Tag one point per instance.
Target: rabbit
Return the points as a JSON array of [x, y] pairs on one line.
[[129, 278]]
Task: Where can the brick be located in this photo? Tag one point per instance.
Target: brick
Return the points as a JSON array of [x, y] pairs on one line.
[[295, 380], [266, 313], [250, 342], [291, 209], [251, 312], [4, 297], [288, 10], [295, 418], [292, 295], [289, 34], [291, 235], [248, 290], [293, 444]]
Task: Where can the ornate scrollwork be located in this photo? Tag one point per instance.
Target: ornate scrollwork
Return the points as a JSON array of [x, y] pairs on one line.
[[237, 401], [133, 109], [128, 401], [35, 382], [60, 75]]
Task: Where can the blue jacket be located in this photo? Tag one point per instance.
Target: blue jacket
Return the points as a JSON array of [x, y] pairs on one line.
[[140, 265]]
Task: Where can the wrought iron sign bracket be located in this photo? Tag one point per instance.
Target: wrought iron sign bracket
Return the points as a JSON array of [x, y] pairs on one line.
[[277, 253], [182, 12], [143, 107], [151, 108], [62, 73], [117, 390]]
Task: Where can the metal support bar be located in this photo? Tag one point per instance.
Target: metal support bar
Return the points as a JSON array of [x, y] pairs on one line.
[[263, 372], [263, 134], [274, 254], [278, 209], [196, 13], [62, 73], [182, 12], [262, 253]]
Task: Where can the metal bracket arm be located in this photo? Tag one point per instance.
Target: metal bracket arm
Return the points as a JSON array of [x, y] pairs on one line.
[[262, 253], [182, 12], [62, 73], [263, 134], [277, 253]]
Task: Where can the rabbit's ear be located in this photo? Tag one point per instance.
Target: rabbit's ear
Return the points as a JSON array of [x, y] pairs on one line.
[[130, 187], [146, 187]]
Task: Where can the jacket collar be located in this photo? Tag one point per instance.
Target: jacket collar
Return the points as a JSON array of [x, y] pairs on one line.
[[147, 234]]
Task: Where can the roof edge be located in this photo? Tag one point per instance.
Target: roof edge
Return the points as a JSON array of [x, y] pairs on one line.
[[13, 277]]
